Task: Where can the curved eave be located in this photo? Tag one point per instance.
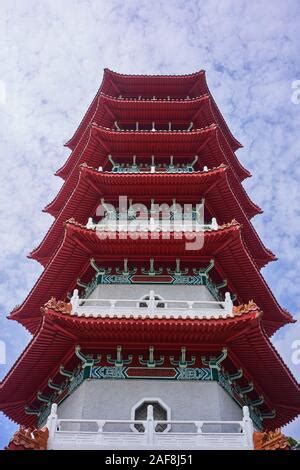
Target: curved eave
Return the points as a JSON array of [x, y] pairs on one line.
[[92, 185], [225, 245], [102, 141]]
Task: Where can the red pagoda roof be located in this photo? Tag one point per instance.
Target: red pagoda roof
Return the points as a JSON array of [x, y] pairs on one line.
[[225, 245], [248, 348], [208, 143], [161, 86], [190, 187]]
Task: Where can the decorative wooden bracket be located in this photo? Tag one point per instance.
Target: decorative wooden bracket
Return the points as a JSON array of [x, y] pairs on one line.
[[31, 411], [43, 398], [58, 388]]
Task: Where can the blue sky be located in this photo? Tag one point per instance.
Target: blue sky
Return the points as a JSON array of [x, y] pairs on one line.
[[52, 55]]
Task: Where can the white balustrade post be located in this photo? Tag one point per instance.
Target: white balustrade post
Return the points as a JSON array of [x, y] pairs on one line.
[[228, 303], [75, 301], [150, 425], [248, 427], [51, 425]]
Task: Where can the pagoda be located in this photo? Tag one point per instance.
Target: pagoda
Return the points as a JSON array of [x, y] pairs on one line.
[[151, 321]]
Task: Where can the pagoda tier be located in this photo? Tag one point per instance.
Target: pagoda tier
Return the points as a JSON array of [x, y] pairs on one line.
[[141, 115], [213, 185], [53, 359], [162, 87], [225, 246], [209, 144]]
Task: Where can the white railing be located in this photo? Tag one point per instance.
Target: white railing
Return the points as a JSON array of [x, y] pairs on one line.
[[151, 307], [122, 434]]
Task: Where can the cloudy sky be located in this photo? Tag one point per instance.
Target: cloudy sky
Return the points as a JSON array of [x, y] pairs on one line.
[[52, 56]]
